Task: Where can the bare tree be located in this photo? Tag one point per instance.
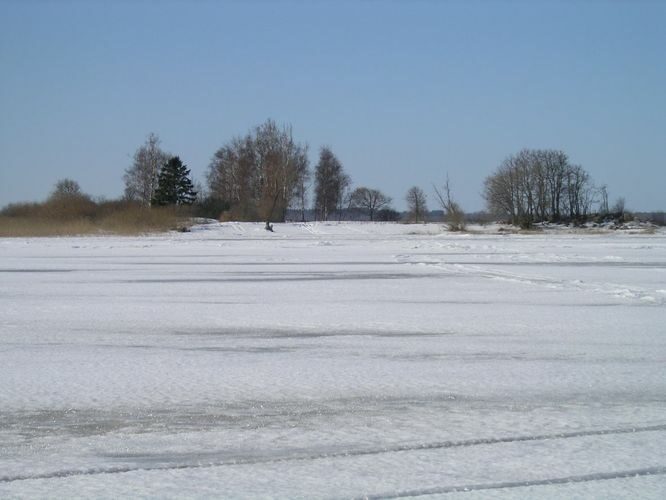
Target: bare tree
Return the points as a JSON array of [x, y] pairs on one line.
[[576, 179], [67, 201], [141, 178], [260, 174], [331, 184], [603, 206], [500, 192], [233, 176], [371, 200], [557, 165], [302, 187], [453, 212], [66, 188], [416, 203], [539, 185], [344, 197], [619, 207], [281, 163]]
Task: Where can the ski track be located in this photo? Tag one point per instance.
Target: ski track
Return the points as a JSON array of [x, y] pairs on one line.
[[343, 454], [599, 476], [631, 293]]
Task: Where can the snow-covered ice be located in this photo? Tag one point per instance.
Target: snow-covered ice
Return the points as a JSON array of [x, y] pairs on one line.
[[333, 360]]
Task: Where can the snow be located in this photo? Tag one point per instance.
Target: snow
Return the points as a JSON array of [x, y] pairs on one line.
[[334, 360]]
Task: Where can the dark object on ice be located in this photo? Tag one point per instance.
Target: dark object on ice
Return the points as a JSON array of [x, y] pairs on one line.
[[269, 226]]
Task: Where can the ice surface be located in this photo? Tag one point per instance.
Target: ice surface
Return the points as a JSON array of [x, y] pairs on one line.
[[333, 360]]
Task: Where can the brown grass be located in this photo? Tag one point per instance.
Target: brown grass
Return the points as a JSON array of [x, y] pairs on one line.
[[120, 218], [28, 226]]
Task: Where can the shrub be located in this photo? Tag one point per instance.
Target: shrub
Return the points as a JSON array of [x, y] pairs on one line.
[[210, 207], [83, 216]]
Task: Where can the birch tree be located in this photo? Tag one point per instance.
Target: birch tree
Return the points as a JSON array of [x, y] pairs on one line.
[[331, 182], [141, 179]]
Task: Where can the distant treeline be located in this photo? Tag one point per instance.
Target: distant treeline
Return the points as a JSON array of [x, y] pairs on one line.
[[265, 175]]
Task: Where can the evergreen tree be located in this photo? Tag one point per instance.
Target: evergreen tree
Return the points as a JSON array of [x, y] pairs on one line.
[[174, 186]]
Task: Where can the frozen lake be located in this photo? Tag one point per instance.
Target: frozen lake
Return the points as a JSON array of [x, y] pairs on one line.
[[333, 361]]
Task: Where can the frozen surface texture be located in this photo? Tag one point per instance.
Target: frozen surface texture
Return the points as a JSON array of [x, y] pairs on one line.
[[333, 361]]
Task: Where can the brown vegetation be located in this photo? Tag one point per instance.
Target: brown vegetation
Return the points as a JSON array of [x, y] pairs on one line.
[[80, 215]]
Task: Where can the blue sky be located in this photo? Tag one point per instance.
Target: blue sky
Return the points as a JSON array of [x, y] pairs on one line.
[[403, 92]]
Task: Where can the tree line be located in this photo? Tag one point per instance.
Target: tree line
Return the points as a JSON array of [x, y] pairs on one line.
[[259, 176], [265, 175], [539, 185]]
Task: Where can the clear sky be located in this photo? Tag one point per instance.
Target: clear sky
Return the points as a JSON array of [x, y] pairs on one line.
[[403, 91]]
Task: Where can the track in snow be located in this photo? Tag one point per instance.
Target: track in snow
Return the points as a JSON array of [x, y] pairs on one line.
[[600, 476], [358, 453]]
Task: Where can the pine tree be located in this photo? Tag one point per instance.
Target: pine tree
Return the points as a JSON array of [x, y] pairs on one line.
[[174, 186]]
